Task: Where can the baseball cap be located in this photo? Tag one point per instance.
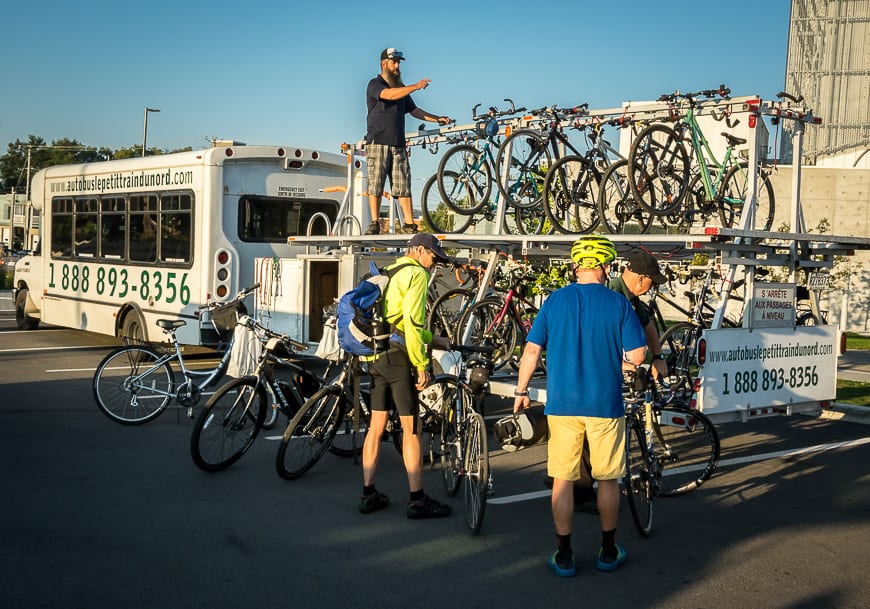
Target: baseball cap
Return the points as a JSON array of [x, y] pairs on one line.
[[643, 263], [431, 243], [392, 53]]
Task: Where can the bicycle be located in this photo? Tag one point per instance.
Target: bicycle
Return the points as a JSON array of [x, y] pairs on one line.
[[526, 155], [336, 419], [465, 173], [463, 441], [660, 169], [135, 383], [572, 186], [228, 425], [669, 448], [503, 321]]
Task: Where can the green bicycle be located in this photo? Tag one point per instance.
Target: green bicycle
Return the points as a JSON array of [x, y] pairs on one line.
[[665, 181]]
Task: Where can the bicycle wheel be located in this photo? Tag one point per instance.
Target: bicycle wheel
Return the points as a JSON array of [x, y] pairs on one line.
[[521, 166], [659, 169], [439, 399], [677, 344], [526, 221], [618, 211], [571, 195], [732, 199], [480, 326], [447, 311], [476, 470], [130, 389], [637, 484], [436, 214], [347, 441], [311, 432], [687, 449], [229, 424], [468, 182]]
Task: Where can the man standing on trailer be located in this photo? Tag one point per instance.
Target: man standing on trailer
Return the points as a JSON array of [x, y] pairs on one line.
[[388, 100], [588, 330]]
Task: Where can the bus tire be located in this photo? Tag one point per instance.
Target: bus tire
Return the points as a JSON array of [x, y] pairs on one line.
[[133, 326], [24, 321]]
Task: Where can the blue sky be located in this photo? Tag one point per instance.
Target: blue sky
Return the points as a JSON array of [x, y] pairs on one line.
[[294, 73]]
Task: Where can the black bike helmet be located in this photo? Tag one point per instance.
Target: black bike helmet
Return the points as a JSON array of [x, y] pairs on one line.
[[525, 428]]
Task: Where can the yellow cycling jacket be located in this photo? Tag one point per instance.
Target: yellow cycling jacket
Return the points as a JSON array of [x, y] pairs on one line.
[[405, 307]]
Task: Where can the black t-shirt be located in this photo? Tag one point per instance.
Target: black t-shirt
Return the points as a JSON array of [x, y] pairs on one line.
[[386, 119], [641, 309]]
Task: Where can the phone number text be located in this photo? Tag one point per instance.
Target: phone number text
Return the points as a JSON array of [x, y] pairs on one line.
[[119, 282]]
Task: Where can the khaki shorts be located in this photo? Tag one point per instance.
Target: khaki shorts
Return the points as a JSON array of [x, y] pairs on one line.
[[606, 439]]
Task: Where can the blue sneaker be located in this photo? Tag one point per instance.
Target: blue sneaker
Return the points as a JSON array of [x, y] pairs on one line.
[[562, 568], [613, 563]]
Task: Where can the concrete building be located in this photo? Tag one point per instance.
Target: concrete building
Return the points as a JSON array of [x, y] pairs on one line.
[[19, 224], [828, 63]]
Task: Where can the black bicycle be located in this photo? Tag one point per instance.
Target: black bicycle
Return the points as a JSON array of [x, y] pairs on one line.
[[228, 425]]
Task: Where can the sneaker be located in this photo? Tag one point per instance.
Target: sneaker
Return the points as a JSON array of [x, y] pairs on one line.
[[407, 229], [611, 563], [562, 568], [372, 503], [427, 508], [373, 229]]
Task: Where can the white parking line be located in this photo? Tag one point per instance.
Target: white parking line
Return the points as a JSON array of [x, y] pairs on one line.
[[722, 464]]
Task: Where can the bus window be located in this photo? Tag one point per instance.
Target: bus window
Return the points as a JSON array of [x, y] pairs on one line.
[[86, 227], [175, 228], [142, 231], [273, 219], [113, 227], [61, 227]]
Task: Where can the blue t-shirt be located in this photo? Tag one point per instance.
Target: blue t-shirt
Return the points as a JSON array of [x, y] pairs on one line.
[[385, 123], [585, 328]]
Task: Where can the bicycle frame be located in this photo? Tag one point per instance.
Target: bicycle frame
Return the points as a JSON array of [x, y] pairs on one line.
[[210, 376], [704, 156]]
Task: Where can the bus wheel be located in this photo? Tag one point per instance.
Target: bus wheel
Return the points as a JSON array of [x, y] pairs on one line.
[[24, 321], [133, 327]]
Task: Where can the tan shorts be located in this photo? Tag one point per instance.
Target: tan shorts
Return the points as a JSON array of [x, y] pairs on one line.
[[606, 439]]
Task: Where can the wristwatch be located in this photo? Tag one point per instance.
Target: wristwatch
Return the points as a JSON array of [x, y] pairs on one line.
[[521, 394]]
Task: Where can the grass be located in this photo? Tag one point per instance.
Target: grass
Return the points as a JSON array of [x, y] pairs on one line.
[[857, 342], [853, 392]]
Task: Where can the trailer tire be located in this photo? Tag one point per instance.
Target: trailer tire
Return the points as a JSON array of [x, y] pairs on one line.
[[22, 319]]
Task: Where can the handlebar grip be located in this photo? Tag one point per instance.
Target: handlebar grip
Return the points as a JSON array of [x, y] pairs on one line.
[[296, 344]]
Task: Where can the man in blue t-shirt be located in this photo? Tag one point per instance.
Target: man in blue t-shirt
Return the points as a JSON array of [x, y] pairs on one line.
[[588, 330], [388, 100]]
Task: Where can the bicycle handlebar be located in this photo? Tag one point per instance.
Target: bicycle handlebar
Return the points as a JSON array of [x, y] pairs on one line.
[[494, 112], [243, 293], [468, 349], [253, 324], [722, 91], [790, 97]]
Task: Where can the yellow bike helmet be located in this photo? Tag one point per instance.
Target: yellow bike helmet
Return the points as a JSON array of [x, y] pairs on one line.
[[592, 251]]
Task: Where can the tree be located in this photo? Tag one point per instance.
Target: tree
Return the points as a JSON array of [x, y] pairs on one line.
[[13, 165]]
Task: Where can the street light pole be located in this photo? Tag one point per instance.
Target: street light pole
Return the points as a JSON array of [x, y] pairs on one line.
[[145, 128]]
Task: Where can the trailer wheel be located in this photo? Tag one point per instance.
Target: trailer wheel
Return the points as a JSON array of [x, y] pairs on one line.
[[24, 321]]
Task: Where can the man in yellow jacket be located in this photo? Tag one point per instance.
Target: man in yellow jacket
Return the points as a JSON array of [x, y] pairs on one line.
[[400, 372]]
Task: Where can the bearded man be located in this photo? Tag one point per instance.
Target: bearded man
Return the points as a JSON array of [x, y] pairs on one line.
[[388, 100]]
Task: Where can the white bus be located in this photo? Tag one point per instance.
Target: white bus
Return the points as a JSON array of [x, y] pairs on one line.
[[127, 242]]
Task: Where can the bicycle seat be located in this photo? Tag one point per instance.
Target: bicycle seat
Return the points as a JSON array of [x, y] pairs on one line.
[[171, 324], [733, 140]]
